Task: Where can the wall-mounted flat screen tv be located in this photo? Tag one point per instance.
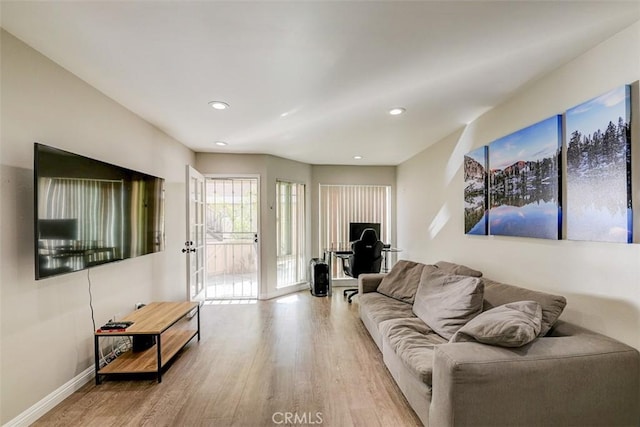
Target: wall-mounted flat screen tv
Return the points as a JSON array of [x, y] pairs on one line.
[[89, 212]]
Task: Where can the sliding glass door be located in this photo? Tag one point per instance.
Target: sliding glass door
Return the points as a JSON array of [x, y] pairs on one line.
[[290, 234]]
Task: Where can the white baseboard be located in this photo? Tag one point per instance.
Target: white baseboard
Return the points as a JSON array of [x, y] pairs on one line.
[[40, 408], [284, 291], [344, 283]]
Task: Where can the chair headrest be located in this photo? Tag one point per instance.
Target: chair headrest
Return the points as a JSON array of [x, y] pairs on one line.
[[369, 235]]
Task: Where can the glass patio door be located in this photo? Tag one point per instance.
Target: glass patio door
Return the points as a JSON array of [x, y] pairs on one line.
[[194, 246], [232, 238]]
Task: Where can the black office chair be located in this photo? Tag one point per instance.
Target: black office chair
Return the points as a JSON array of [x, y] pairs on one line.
[[366, 257]]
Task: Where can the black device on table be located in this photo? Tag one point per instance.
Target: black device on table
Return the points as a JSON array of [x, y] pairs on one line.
[[116, 325]]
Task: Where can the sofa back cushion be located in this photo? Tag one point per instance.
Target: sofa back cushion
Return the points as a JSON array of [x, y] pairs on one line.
[[446, 302], [402, 281], [453, 268], [496, 294]]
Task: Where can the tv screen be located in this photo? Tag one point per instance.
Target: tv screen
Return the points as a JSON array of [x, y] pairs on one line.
[[89, 212], [356, 229]]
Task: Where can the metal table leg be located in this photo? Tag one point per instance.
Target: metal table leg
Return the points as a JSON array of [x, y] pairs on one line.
[[159, 357]]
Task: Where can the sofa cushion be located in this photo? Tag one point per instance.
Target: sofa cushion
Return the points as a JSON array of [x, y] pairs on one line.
[[496, 294], [462, 270], [511, 325], [446, 302], [413, 342], [402, 281], [379, 307]]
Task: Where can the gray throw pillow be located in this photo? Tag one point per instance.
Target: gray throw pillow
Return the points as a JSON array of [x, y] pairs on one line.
[[447, 302], [510, 325], [402, 281]]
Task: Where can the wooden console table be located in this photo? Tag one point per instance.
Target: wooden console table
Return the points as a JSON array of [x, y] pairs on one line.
[[155, 319]]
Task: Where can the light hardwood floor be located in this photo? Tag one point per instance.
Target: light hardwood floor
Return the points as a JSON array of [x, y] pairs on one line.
[[298, 354]]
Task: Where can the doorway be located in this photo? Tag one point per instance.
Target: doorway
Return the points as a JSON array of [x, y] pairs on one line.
[[232, 244]]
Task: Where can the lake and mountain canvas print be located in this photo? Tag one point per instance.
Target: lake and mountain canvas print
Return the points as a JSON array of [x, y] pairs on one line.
[[599, 168], [475, 191], [524, 182]]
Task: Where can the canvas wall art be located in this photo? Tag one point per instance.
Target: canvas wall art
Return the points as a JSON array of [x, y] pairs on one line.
[[524, 182], [476, 191], [599, 168]]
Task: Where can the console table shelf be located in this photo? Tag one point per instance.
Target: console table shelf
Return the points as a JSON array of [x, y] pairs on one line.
[[155, 319]]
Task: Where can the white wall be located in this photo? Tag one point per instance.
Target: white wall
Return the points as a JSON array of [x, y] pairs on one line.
[[600, 280], [46, 329]]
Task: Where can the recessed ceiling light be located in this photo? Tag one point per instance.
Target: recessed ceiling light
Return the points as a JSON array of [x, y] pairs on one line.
[[221, 143], [397, 111], [357, 157], [219, 105]]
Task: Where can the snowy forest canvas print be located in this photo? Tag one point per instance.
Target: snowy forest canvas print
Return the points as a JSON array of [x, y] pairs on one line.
[[524, 178], [475, 191], [599, 168]]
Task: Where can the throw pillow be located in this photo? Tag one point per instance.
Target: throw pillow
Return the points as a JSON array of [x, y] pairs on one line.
[[510, 325], [452, 268], [497, 294], [447, 302], [402, 281]]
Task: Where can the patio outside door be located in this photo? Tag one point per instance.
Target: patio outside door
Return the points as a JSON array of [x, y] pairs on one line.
[[232, 261]]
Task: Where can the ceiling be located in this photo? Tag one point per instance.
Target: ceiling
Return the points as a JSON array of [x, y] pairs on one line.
[[313, 81]]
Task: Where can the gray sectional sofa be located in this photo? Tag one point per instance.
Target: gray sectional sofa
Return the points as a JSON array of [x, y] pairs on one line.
[[508, 362]]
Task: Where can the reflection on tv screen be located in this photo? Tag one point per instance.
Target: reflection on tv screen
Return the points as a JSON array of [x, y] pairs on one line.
[[89, 212]]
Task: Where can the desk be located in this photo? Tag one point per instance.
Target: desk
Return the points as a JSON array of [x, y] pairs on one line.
[[328, 255], [386, 252], [343, 252]]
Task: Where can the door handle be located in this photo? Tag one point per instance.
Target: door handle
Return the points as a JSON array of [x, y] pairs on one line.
[[187, 247]]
